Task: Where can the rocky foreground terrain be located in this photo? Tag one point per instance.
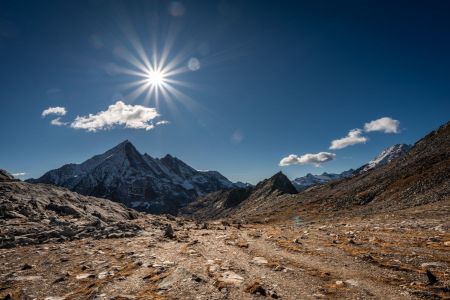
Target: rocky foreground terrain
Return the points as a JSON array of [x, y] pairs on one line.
[[384, 234], [400, 255]]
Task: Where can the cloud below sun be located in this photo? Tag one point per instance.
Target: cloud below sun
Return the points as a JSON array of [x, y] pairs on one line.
[[117, 114]]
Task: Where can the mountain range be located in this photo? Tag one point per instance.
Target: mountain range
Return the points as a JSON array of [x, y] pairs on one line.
[[385, 157], [418, 177], [122, 174]]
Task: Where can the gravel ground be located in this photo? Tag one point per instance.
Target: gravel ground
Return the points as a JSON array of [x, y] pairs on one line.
[[384, 256]]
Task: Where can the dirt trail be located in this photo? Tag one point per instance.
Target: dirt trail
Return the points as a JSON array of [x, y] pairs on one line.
[[370, 258]]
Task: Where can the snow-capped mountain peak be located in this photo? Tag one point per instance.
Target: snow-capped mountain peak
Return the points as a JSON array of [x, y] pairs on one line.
[[386, 156], [122, 174]]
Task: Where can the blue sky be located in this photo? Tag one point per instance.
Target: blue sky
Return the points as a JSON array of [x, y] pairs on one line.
[[269, 80]]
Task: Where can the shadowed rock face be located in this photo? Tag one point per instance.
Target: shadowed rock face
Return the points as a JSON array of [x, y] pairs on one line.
[[142, 182]]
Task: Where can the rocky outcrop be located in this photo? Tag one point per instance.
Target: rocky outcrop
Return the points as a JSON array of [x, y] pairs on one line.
[[139, 181], [38, 213]]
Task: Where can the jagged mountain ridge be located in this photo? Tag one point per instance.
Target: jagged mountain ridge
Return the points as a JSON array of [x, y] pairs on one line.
[[383, 158], [122, 174], [231, 202]]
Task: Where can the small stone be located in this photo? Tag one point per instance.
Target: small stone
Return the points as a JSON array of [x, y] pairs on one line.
[[352, 282], [432, 279], [447, 243], [432, 264], [27, 267], [197, 278], [102, 275], [230, 277], [84, 276], [169, 233], [259, 260], [59, 279], [256, 288], [339, 283], [278, 268]]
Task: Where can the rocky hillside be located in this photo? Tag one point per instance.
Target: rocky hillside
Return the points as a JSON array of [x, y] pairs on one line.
[[139, 181], [420, 176], [234, 202], [37, 213], [385, 157]]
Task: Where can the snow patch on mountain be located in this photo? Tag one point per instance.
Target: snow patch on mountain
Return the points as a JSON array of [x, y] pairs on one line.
[[385, 157], [158, 185]]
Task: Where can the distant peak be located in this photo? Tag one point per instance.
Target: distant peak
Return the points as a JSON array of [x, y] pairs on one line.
[[279, 182]]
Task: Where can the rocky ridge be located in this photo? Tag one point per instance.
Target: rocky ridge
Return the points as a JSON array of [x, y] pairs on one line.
[[229, 203], [122, 174]]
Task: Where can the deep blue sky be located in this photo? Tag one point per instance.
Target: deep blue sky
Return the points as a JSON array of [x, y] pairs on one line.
[[288, 76]]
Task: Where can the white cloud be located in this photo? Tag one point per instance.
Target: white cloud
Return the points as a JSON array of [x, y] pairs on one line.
[[163, 122], [386, 125], [130, 116], [57, 122], [353, 137], [59, 111], [19, 174], [315, 159]]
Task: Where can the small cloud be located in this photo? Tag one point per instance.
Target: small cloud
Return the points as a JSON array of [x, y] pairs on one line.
[[130, 116], [19, 174], [310, 158], [237, 136], [353, 137], [163, 122], [59, 111], [57, 122], [386, 125]]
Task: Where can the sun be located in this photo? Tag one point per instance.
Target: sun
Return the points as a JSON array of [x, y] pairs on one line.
[[156, 78]]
